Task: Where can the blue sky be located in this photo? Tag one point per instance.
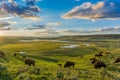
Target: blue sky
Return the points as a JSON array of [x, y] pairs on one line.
[[59, 17]]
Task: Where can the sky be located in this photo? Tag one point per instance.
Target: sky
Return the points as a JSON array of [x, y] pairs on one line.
[[50, 18]]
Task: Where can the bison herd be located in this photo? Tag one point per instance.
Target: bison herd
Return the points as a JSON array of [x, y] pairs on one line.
[[99, 54], [97, 63], [94, 61], [28, 62]]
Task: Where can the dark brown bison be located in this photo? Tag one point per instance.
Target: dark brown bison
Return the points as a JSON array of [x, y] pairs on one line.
[[93, 60], [1, 53], [99, 64], [69, 63], [60, 65], [15, 54], [117, 60], [30, 62], [98, 55]]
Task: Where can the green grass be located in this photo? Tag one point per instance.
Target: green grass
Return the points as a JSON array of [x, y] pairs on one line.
[[48, 54]]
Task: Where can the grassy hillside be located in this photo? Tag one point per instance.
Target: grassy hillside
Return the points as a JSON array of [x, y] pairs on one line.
[[92, 38], [48, 54]]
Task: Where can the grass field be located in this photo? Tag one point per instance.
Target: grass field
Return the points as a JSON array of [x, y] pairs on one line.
[[48, 54]]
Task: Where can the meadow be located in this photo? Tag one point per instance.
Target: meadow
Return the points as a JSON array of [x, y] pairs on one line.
[[49, 52]]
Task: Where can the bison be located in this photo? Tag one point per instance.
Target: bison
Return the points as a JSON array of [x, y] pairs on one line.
[[1, 53], [69, 63], [117, 60], [60, 65], [15, 54], [98, 55], [99, 64], [30, 62], [93, 60]]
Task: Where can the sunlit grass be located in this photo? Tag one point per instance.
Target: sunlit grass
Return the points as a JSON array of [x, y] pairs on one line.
[[48, 54]]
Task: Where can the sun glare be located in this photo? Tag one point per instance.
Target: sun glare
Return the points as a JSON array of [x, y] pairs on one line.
[[1, 33]]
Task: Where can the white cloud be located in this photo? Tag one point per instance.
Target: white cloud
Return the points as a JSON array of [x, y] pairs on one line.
[[53, 24], [100, 10], [4, 18], [12, 8]]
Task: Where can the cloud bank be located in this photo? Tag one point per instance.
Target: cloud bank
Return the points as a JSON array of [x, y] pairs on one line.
[[111, 29], [100, 10], [5, 26], [10, 8]]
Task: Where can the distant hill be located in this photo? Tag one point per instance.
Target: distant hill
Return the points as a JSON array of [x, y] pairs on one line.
[[103, 37], [100, 37], [117, 29]]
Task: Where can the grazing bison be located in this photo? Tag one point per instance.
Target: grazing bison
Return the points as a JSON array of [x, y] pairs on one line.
[[1, 53], [60, 65], [93, 60], [15, 54], [117, 60], [99, 64], [69, 63], [99, 54], [30, 62]]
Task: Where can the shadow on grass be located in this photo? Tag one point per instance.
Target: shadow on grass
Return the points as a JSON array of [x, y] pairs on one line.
[[19, 58], [5, 77], [43, 58], [4, 59]]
